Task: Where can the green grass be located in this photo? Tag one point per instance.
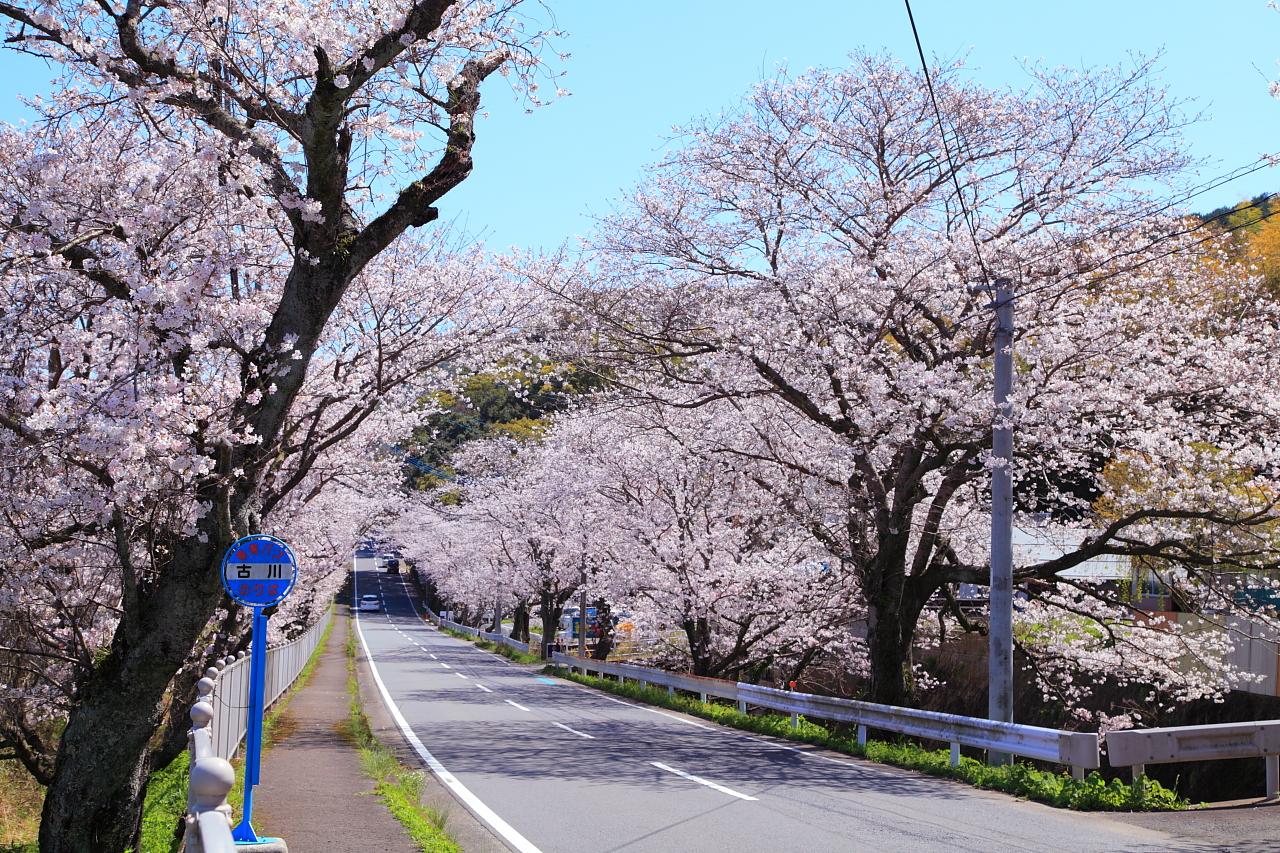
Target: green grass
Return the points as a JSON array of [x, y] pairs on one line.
[[1093, 793], [164, 806], [21, 798], [166, 800], [489, 646], [399, 788]]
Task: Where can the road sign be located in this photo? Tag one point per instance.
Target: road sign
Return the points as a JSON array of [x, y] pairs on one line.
[[259, 570]]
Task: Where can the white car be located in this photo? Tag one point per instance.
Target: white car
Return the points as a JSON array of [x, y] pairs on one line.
[[380, 561], [370, 602]]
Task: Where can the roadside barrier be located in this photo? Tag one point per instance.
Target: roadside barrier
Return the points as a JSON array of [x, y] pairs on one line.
[[493, 637], [1077, 750], [1136, 748], [284, 662], [208, 818]]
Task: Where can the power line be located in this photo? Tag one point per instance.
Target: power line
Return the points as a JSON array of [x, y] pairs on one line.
[[1164, 205], [1261, 200], [946, 149]]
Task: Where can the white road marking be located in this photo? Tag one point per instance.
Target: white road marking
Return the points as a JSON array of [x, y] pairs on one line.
[[445, 665], [482, 687], [433, 657], [477, 806], [517, 705], [721, 788], [460, 675], [674, 717], [575, 731]]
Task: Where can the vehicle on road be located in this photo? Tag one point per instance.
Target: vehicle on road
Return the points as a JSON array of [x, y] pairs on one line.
[[393, 565], [370, 602], [380, 561]]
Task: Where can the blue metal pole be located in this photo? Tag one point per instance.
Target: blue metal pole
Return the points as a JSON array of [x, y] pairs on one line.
[[253, 736]]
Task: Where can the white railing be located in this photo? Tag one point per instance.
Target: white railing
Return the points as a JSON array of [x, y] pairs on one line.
[[1136, 748], [1077, 750], [208, 818], [284, 662], [216, 733]]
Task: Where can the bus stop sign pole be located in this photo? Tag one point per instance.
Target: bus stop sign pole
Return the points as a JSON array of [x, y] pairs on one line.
[[258, 571]]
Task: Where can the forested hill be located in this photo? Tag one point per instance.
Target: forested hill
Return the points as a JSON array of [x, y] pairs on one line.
[[1255, 230]]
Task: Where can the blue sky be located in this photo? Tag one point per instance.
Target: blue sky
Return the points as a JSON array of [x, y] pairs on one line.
[[641, 68]]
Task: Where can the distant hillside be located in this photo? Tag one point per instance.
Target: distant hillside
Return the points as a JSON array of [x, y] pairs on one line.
[[1255, 234], [1244, 214]]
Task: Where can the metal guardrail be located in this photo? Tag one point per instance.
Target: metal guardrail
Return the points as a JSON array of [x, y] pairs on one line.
[[1136, 748], [284, 662], [1077, 750], [502, 638]]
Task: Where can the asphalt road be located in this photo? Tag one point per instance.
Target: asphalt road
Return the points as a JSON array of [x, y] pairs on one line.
[[558, 767]]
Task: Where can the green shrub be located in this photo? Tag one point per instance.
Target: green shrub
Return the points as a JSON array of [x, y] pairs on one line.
[[1093, 793]]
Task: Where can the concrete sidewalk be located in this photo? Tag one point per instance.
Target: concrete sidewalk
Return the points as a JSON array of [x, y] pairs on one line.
[[314, 793]]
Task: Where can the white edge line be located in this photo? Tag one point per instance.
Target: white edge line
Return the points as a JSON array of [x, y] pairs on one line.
[[461, 791], [575, 731], [601, 694], [726, 731], [517, 705], [721, 788]]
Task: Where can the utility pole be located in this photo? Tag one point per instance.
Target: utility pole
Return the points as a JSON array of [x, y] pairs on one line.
[[582, 615], [1000, 627]]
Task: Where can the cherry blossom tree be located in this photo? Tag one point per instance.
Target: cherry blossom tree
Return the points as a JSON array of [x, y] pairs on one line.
[[690, 540], [805, 259], [524, 532], [201, 309]]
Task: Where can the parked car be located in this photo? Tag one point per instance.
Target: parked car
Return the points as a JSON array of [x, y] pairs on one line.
[[370, 602]]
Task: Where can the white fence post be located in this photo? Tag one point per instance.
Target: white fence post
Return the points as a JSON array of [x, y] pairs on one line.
[[208, 818]]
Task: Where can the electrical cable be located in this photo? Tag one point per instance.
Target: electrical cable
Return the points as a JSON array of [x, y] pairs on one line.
[[946, 149]]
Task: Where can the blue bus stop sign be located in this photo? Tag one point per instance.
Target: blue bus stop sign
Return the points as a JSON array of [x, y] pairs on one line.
[[259, 570]]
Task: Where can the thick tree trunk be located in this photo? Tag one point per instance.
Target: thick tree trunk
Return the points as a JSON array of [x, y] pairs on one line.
[[551, 609], [891, 629], [120, 726], [520, 623], [698, 632], [892, 682]]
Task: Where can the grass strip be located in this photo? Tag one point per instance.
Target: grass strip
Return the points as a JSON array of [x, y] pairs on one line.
[[1093, 793], [399, 787], [497, 648], [166, 800]]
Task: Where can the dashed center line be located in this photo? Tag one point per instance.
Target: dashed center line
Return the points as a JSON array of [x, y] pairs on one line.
[[517, 705], [575, 731], [721, 788], [482, 687], [433, 657], [460, 675], [445, 665]]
